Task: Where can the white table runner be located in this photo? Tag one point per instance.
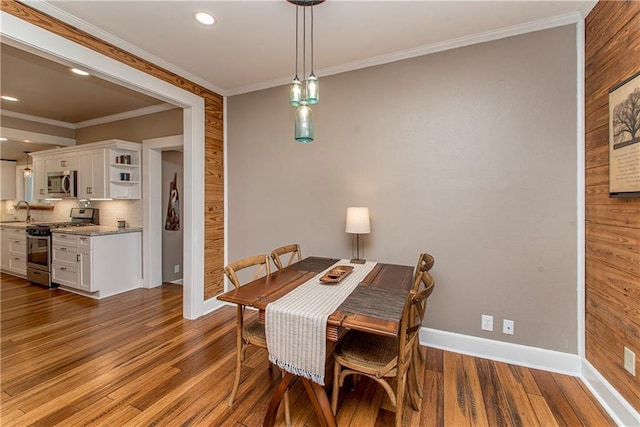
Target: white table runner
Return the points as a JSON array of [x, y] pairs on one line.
[[296, 324]]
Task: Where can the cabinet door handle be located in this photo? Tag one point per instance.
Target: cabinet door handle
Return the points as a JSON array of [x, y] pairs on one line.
[[77, 257], [83, 238], [63, 249], [63, 268]]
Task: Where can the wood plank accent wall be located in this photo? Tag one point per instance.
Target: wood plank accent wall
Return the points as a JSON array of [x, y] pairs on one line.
[[612, 225], [214, 193]]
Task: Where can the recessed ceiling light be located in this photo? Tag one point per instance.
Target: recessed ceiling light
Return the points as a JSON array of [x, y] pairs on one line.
[[205, 18], [79, 72], [9, 98]]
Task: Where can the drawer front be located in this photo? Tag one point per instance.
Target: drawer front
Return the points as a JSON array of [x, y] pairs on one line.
[[18, 264], [65, 255], [18, 247], [66, 276], [84, 242], [17, 235], [67, 240]]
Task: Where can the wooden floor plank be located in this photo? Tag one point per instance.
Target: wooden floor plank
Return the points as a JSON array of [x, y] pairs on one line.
[[522, 412], [581, 401], [133, 360], [456, 412]]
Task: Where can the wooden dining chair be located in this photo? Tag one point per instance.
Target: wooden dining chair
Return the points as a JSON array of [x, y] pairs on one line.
[[421, 281], [252, 332], [292, 249], [383, 358]]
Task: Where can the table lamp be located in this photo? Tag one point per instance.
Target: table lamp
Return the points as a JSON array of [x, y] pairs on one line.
[[357, 223]]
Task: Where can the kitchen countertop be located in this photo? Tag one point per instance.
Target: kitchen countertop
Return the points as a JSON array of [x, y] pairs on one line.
[[96, 230], [15, 224]]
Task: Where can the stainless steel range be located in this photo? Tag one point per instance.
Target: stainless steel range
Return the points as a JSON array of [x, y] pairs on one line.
[[39, 243]]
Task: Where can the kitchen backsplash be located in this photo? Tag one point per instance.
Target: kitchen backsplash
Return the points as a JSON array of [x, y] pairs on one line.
[[110, 211]]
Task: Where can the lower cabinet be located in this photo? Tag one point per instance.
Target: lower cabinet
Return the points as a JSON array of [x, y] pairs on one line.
[[102, 265], [14, 251]]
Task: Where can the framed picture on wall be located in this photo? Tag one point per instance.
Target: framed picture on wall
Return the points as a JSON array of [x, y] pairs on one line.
[[624, 138]]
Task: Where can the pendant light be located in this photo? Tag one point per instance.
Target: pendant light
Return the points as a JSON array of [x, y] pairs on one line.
[[27, 172], [307, 92]]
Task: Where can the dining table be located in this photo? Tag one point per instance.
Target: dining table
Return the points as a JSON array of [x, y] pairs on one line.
[[373, 306]]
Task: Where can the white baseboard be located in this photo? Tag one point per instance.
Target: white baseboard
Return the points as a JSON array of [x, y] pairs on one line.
[[213, 304], [532, 357], [177, 282], [620, 410], [516, 354]]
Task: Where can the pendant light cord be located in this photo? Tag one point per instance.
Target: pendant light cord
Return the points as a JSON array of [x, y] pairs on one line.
[[297, 32], [304, 52], [311, 38]]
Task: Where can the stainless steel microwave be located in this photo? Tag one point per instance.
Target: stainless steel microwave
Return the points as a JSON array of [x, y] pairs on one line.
[[62, 184]]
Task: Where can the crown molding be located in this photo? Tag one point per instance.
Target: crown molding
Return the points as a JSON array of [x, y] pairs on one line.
[[93, 122], [126, 115], [543, 24], [35, 137], [37, 119]]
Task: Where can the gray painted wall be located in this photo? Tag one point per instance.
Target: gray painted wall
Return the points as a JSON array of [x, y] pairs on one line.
[[468, 154], [172, 249]]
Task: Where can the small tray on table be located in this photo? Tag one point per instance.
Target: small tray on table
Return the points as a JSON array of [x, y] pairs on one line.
[[336, 274]]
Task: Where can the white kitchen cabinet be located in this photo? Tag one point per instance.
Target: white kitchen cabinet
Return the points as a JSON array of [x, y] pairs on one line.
[[98, 266], [14, 251], [67, 161], [4, 249], [8, 182], [124, 173], [40, 189], [100, 175], [91, 174]]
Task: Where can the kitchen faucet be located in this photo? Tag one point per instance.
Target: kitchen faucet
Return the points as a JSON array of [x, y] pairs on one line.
[[17, 205]]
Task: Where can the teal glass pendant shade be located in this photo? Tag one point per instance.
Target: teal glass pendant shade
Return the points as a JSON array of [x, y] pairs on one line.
[[313, 89], [295, 92], [304, 124]]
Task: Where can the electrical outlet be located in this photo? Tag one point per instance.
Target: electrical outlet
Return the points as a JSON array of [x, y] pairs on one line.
[[487, 323], [507, 326], [630, 361], [176, 268]]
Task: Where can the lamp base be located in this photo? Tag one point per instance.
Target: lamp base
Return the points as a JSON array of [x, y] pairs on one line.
[[357, 261]]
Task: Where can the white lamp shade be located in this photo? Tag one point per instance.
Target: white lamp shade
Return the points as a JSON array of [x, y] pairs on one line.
[[358, 221]]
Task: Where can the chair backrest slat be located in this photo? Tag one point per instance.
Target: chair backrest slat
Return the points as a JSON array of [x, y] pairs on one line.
[[295, 255], [425, 263], [413, 315], [261, 262]]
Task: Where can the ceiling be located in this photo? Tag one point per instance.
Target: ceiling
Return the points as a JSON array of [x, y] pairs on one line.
[[48, 90], [252, 45]]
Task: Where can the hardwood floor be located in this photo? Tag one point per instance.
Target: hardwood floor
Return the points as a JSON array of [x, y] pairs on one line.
[[132, 360]]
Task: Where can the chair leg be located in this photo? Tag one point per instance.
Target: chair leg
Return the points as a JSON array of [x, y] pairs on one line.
[[287, 411], [236, 383], [402, 383], [239, 355], [413, 388], [418, 364], [336, 387]]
